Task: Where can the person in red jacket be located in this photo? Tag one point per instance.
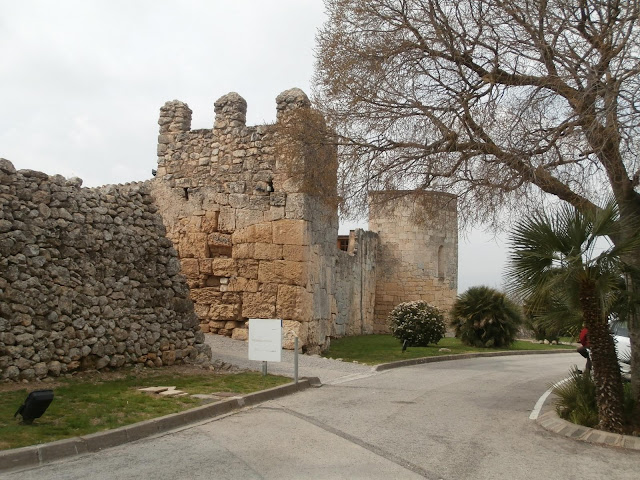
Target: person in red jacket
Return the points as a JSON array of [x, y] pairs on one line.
[[584, 349]]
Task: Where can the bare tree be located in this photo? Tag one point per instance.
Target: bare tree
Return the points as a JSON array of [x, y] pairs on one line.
[[511, 104]]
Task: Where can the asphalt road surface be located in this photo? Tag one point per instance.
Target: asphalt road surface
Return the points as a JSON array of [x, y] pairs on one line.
[[464, 419]]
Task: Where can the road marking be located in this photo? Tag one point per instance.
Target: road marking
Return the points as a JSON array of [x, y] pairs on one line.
[[536, 410]]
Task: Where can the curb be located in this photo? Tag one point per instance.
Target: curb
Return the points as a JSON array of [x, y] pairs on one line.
[[552, 422], [36, 455], [462, 356]]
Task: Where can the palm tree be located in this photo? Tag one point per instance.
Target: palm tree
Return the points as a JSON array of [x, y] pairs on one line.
[[485, 317], [570, 257]]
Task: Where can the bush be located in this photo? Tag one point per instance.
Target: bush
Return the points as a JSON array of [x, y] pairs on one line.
[[576, 401], [417, 323], [484, 317]]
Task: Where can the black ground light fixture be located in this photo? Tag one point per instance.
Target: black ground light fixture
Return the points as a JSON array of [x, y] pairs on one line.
[[35, 405]]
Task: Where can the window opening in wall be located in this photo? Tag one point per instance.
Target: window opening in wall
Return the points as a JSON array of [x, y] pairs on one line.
[[186, 193], [343, 242], [441, 261]]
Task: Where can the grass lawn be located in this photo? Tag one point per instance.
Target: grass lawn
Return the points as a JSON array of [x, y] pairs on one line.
[[376, 349], [89, 403]]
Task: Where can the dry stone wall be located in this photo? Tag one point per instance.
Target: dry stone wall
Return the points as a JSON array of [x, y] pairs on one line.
[[253, 242], [88, 280], [417, 257]]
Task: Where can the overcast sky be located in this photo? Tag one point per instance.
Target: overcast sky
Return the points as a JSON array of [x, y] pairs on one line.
[[83, 82]]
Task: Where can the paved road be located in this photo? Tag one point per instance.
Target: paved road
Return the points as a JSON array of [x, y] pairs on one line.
[[465, 419]]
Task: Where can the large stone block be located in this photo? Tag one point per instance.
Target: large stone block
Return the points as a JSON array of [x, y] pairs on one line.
[[240, 334], [291, 232], [210, 222], [245, 218], [292, 329], [248, 268], [295, 253], [296, 206], [224, 267], [207, 296], [189, 267], [243, 250], [283, 271], [241, 284], [267, 251], [274, 213], [224, 312], [231, 324], [294, 303], [202, 309], [238, 200], [258, 233], [227, 220], [204, 265], [259, 305], [193, 245], [217, 239]]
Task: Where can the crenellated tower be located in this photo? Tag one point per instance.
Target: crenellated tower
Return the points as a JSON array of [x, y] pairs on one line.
[[255, 239]]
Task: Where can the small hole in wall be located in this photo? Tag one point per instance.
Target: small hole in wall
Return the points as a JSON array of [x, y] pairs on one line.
[[186, 193], [270, 186]]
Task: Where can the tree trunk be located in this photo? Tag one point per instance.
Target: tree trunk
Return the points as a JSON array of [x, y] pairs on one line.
[[630, 221], [606, 372]]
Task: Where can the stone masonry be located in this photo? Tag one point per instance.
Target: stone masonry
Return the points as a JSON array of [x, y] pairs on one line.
[[87, 280], [255, 228], [418, 250], [240, 222], [252, 241]]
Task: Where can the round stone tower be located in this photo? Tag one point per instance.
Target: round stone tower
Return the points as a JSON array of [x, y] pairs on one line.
[[417, 256]]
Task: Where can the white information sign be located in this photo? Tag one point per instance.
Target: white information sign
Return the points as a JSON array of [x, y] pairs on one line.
[[265, 339]]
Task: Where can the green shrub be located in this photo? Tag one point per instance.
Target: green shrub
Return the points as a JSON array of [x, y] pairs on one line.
[[484, 317], [576, 400], [417, 323]]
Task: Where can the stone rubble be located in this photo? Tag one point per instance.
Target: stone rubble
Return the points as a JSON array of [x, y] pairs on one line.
[[88, 280]]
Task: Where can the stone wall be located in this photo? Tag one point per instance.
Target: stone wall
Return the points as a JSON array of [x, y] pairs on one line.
[[87, 279], [356, 285], [253, 239], [417, 256]]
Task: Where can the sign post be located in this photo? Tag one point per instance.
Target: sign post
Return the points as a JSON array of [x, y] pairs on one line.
[[265, 341]]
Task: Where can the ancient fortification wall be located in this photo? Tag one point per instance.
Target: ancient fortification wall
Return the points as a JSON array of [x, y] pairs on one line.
[[251, 211], [87, 279], [356, 285], [418, 250]]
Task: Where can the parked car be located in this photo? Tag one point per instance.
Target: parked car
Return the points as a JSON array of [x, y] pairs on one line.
[[623, 347]]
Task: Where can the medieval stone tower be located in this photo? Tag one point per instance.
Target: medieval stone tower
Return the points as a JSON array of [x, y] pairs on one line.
[[417, 252]]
